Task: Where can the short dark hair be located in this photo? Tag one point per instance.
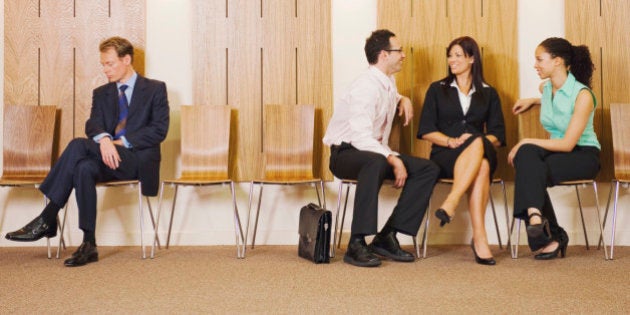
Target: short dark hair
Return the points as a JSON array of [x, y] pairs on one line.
[[576, 58], [379, 40], [121, 45]]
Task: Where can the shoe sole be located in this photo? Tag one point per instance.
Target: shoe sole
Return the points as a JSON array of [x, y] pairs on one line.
[[29, 239], [93, 258], [350, 260], [384, 253]]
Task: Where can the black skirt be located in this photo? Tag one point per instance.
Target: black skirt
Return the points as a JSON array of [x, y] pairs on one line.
[[445, 157]]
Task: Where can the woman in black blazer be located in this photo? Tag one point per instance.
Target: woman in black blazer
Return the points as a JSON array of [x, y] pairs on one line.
[[462, 118]]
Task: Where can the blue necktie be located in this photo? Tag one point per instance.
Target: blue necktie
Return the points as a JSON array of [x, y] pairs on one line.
[[123, 109]]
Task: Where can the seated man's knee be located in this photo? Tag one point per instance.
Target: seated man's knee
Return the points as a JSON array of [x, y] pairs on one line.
[[86, 168]]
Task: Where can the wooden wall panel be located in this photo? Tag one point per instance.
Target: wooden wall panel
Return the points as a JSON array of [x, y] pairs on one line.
[[426, 27], [21, 52], [314, 72], [57, 62], [603, 26], [278, 52], [52, 56]]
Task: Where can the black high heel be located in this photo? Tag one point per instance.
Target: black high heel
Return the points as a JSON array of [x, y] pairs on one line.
[[563, 242], [443, 216], [482, 261], [538, 235]]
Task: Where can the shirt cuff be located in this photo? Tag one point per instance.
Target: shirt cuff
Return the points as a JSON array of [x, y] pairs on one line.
[[125, 142], [100, 136]]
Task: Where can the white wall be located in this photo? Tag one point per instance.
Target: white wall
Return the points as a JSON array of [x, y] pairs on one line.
[[203, 215]]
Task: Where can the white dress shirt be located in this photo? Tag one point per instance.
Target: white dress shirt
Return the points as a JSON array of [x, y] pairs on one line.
[[363, 115]]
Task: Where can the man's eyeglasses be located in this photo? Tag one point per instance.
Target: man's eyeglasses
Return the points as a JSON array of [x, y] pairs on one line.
[[398, 50]]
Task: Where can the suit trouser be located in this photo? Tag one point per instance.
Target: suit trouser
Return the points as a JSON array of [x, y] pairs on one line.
[[81, 167], [537, 169], [370, 170]]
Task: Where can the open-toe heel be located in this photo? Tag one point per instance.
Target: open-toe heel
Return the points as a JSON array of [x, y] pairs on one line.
[[443, 216], [538, 235]]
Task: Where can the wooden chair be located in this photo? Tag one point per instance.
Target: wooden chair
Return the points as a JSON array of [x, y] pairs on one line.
[[28, 147], [287, 152], [619, 116], [529, 127], [205, 144]]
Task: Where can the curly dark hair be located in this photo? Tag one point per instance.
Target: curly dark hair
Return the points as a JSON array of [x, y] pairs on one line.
[[576, 58]]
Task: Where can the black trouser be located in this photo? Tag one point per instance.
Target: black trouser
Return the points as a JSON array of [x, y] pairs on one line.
[[537, 169], [370, 170], [81, 167]]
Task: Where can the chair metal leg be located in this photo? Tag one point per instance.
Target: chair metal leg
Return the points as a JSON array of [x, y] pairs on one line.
[[514, 247], [339, 196], [249, 210], [496, 223], [257, 213], [507, 214], [343, 214], [599, 220], [141, 217], [238, 230], [157, 238], [612, 183], [426, 229], [577, 192], [321, 184], [61, 228], [614, 223], [170, 222], [157, 224]]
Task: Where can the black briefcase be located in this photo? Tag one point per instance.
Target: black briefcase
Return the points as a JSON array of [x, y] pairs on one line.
[[315, 224]]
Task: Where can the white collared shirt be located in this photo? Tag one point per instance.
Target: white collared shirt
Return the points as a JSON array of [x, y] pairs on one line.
[[464, 100], [364, 113]]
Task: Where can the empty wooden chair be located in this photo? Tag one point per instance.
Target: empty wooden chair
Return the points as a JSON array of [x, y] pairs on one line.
[[287, 152], [205, 144], [27, 149]]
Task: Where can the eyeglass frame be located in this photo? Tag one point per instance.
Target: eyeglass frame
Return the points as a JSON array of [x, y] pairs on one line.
[[390, 50]]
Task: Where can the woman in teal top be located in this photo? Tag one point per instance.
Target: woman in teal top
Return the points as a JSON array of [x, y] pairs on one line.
[[571, 152]]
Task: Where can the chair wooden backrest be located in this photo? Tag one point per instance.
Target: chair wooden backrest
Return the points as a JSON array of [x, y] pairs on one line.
[[619, 118], [29, 133], [529, 125], [288, 142], [205, 141]]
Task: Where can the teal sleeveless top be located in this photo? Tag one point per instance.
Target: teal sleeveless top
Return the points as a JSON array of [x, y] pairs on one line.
[[556, 111]]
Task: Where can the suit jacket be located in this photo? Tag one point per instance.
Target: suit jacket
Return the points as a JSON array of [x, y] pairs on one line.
[[147, 124], [443, 112]]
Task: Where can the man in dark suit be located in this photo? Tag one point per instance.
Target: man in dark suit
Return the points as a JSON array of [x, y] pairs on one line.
[[128, 121]]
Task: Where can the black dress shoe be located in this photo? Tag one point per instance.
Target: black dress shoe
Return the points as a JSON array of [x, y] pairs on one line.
[[387, 245], [360, 255], [482, 261], [34, 230], [86, 253]]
